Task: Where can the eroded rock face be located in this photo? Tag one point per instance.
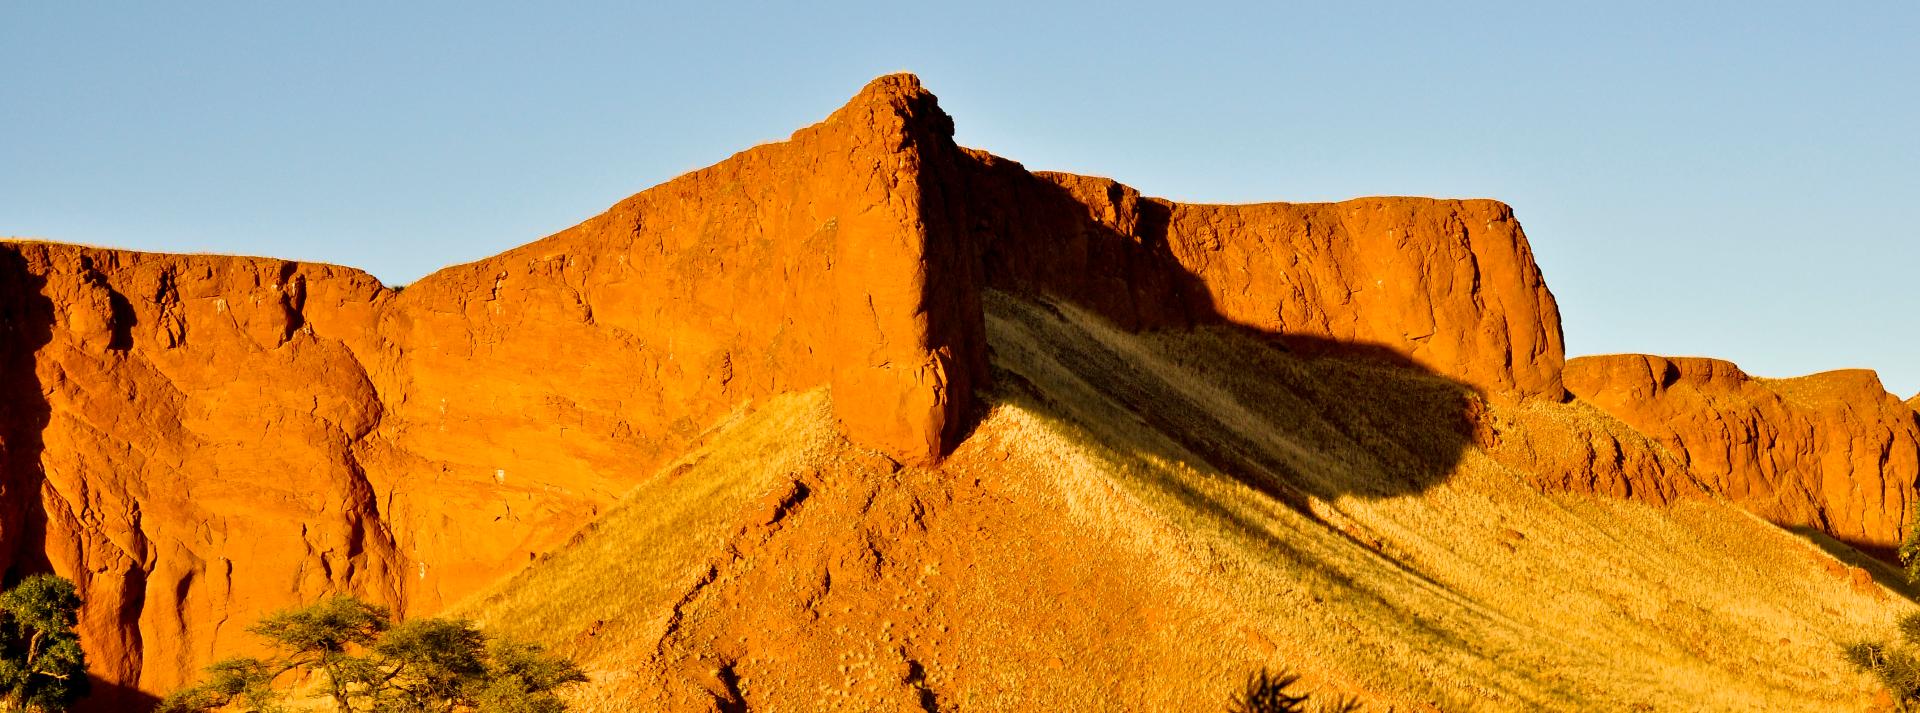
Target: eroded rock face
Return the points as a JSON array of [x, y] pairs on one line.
[[1831, 451], [182, 441], [198, 440], [1447, 285], [565, 370]]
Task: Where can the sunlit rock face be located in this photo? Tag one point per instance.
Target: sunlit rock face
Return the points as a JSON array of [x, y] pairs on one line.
[[1831, 451]]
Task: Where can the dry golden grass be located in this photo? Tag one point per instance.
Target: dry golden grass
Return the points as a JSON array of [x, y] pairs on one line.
[[611, 592], [1142, 520]]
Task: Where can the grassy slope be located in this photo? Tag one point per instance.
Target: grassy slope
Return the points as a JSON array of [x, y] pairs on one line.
[[1142, 520]]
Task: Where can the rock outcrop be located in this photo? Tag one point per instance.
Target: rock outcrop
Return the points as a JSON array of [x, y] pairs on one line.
[[1449, 285], [200, 439], [1831, 451], [181, 437]]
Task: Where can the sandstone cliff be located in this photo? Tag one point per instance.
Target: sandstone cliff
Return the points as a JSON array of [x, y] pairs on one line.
[[199, 439], [1831, 451], [181, 439], [1447, 285]]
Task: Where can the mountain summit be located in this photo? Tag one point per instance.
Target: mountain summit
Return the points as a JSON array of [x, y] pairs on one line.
[[1031, 433]]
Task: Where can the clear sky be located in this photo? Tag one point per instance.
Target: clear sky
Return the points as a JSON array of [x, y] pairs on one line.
[[1728, 179]]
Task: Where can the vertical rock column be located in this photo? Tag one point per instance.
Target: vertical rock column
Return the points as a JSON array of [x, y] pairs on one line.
[[906, 305]]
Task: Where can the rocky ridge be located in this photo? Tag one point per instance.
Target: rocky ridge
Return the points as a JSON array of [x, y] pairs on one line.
[[199, 439]]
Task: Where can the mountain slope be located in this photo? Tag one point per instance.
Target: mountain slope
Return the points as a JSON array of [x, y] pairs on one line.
[[1140, 520]]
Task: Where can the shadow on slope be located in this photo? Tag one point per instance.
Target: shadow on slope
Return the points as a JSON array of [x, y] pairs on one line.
[[1101, 246], [1184, 411], [1237, 401], [1142, 519], [1864, 557], [1514, 598]]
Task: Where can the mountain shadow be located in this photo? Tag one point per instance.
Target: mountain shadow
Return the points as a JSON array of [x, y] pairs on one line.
[[1881, 563], [1104, 325], [1228, 399]]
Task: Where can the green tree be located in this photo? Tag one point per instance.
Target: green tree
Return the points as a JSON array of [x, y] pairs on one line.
[[243, 680], [522, 678], [322, 638], [428, 664], [1896, 666], [365, 663], [41, 665]]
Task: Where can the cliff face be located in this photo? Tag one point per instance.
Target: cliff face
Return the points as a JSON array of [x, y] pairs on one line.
[[1830, 451], [1448, 285], [200, 439], [181, 436], [564, 370]]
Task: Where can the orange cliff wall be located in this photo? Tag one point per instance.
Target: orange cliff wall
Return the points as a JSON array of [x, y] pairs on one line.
[[1831, 451], [197, 440], [181, 439], [565, 370], [1449, 285]]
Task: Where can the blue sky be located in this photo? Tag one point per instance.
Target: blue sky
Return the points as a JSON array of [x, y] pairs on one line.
[[1733, 180]]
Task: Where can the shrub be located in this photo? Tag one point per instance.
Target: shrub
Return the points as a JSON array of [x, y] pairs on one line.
[[1910, 549], [1896, 666], [1266, 692], [364, 662]]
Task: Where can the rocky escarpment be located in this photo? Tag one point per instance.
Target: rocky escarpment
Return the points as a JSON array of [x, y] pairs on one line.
[[200, 439], [1831, 451], [1448, 285], [181, 439]]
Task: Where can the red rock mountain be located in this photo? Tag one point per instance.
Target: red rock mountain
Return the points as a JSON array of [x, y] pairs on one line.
[[199, 439]]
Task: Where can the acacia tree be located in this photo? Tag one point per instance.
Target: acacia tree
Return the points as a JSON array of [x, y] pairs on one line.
[[365, 663], [429, 663], [319, 638], [41, 665]]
